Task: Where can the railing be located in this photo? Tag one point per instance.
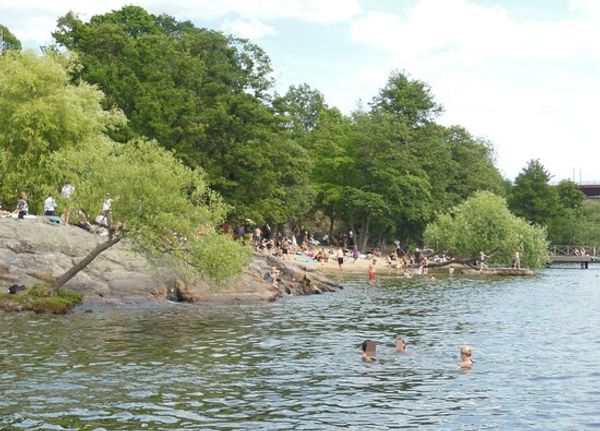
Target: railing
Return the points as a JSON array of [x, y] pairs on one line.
[[573, 250]]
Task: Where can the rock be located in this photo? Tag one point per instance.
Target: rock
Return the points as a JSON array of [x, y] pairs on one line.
[[32, 251]]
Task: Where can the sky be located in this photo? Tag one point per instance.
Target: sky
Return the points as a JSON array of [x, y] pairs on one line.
[[524, 75]]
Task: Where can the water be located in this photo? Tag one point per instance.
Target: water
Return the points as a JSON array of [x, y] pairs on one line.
[[294, 364]]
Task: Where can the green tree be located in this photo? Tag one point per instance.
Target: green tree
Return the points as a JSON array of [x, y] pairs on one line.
[[43, 114], [532, 197], [484, 223], [8, 40], [199, 93], [163, 206], [570, 194]]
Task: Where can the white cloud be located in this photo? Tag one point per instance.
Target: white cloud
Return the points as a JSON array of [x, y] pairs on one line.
[[249, 29], [524, 84]]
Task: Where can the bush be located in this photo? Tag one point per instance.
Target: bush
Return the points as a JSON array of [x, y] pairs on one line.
[[40, 299]]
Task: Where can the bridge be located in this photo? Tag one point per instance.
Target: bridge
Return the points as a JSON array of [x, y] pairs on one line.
[[574, 254]]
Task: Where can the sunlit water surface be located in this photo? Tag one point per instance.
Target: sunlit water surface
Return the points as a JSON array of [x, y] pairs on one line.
[[294, 364]]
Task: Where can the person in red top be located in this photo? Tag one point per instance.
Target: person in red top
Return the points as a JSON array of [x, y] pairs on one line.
[[372, 270]]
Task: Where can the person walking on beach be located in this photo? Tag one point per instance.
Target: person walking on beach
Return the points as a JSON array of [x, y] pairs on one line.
[[340, 257], [355, 253]]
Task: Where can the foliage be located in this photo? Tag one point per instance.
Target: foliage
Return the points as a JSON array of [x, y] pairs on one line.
[[40, 299], [43, 114], [219, 258], [55, 132], [200, 94], [484, 223], [9, 40], [532, 197]]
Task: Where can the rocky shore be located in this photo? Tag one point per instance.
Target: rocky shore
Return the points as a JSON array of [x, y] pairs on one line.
[[34, 251]]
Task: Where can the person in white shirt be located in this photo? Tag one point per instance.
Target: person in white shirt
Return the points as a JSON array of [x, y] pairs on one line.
[[107, 210], [49, 206], [66, 192]]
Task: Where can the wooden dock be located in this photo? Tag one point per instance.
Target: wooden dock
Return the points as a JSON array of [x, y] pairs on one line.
[[574, 254]]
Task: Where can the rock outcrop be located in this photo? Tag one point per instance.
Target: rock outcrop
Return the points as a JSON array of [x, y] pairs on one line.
[[32, 251]]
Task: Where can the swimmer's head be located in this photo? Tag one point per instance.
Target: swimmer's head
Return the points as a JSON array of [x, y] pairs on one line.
[[400, 344], [466, 350]]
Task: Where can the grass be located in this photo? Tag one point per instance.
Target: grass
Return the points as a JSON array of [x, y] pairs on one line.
[[40, 299]]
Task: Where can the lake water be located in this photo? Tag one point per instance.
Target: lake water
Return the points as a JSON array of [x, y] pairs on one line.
[[294, 364]]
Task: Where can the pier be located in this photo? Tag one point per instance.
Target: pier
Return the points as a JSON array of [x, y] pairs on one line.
[[574, 254]]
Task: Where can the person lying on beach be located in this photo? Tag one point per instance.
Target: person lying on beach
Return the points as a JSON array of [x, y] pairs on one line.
[[465, 357]]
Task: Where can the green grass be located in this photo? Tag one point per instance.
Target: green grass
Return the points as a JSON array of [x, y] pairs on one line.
[[40, 299]]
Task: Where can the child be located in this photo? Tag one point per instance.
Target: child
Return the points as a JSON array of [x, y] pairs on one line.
[[465, 357]]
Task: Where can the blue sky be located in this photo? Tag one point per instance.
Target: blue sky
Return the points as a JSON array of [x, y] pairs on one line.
[[524, 75]]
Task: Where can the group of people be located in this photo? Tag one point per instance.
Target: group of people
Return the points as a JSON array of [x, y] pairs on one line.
[[369, 349], [22, 208]]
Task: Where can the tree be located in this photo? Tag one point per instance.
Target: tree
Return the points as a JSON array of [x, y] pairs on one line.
[[55, 132], [43, 114], [484, 223], [8, 40], [198, 93], [163, 206], [409, 100], [570, 194], [532, 197]]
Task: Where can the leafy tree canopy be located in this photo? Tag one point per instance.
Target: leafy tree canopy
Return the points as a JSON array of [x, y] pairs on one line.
[[199, 93], [484, 223], [9, 40]]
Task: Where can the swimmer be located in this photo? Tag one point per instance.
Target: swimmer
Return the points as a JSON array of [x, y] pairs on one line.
[[465, 357], [400, 345], [368, 355], [372, 269]]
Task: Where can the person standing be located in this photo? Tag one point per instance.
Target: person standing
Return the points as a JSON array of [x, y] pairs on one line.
[[107, 210], [50, 206], [372, 269], [67, 192], [340, 258], [517, 260]]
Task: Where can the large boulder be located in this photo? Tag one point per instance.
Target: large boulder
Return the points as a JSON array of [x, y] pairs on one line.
[[33, 251]]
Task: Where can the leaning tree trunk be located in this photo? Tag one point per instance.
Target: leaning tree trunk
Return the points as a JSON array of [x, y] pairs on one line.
[[331, 222], [72, 272]]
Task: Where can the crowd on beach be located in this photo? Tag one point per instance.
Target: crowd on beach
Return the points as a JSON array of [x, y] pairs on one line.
[[300, 245]]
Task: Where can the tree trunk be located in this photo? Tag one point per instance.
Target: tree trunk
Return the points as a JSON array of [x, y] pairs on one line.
[[331, 221], [60, 281], [364, 235]]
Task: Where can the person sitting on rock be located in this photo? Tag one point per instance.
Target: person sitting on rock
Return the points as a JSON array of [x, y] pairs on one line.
[[49, 206], [22, 206], [273, 274]]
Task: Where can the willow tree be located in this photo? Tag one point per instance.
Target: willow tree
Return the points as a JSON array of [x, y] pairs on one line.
[[54, 132], [162, 206], [43, 114], [484, 223]]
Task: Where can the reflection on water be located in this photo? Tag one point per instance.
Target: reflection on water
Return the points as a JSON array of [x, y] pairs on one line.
[[295, 363]]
